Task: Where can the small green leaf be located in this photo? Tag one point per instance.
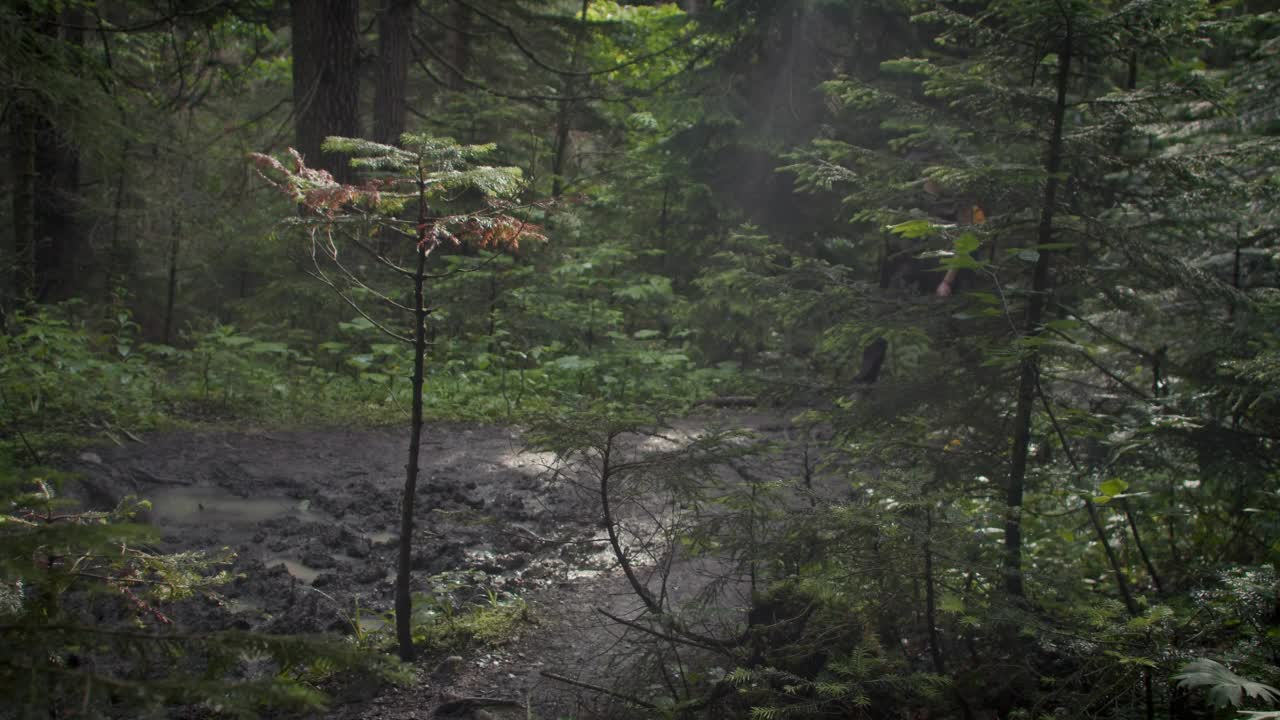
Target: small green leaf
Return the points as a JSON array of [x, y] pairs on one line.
[[262, 348], [912, 229], [967, 243], [1113, 487], [573, 362], [356, 324]]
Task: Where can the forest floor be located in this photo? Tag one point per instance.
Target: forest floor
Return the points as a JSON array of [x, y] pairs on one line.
[[312, 517]]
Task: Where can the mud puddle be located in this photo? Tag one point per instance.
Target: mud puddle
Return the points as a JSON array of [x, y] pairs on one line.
[[179, 511], [193, 506], [313, 519]]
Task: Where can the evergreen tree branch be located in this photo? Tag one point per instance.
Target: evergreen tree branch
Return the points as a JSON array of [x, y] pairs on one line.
[[528, 52]]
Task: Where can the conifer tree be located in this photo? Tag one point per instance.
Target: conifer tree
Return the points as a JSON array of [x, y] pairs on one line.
[[371, 243], [1064, 123]]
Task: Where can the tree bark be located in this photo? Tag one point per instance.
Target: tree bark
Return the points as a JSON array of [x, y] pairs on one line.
[[564, 117], [60, 248], [404, 566], [1117, 570], [390, 94], [60, 242], [116, 255], [326, 90], [457, 44], [175, 246], [22, 126], [48, 245], [930, 596], [1013, 581]]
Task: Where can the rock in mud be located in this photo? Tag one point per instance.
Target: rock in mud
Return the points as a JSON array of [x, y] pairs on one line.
[[368, 574], [324, 580], [317, 559], [512, 561], [436, 560]]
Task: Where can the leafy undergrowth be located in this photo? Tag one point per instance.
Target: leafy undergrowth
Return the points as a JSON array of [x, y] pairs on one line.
[[453, 631], [459, 614], [63, 378]]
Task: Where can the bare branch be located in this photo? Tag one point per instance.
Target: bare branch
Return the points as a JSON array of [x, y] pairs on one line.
[[596, 688]]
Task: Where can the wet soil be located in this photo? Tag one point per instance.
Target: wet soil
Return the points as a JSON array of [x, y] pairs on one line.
[[312, 517]]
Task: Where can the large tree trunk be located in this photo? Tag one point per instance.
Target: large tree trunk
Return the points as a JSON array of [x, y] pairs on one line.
[[61, 260], [395, 28], [457, 44], [326, 89], [22, 125], [59, 257], [48, 246], [564, 117], [1035, 314]]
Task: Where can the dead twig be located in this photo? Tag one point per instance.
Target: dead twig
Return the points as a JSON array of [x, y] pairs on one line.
[[596, 688]]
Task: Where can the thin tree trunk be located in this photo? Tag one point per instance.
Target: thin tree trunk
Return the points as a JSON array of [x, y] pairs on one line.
[[1142, 548], [1117, 571], [664, 240], [395, 27], [611, 528], [404, 601], [116, 254], [931, 608], [1013, 581], [174, 244], [493, 309]]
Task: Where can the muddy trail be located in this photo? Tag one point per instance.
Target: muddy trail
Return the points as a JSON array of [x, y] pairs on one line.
[[312, 517]]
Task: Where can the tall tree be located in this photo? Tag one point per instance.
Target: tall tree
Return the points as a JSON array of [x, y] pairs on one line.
[[457, 42], [565, 116], [395, 31], [48, 245], [326, 86]]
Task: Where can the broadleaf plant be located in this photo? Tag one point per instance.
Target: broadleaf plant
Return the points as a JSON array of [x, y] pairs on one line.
[[1226, 689]]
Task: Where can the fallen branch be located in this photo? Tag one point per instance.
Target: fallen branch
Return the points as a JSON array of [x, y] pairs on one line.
[[455, 705], [596, 688], [141, 473], [711, 644]]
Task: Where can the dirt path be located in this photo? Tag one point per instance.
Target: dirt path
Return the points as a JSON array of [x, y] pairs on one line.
[[312, 517]]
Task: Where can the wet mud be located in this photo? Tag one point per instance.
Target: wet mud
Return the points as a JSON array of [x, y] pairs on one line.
[[312, 517]]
